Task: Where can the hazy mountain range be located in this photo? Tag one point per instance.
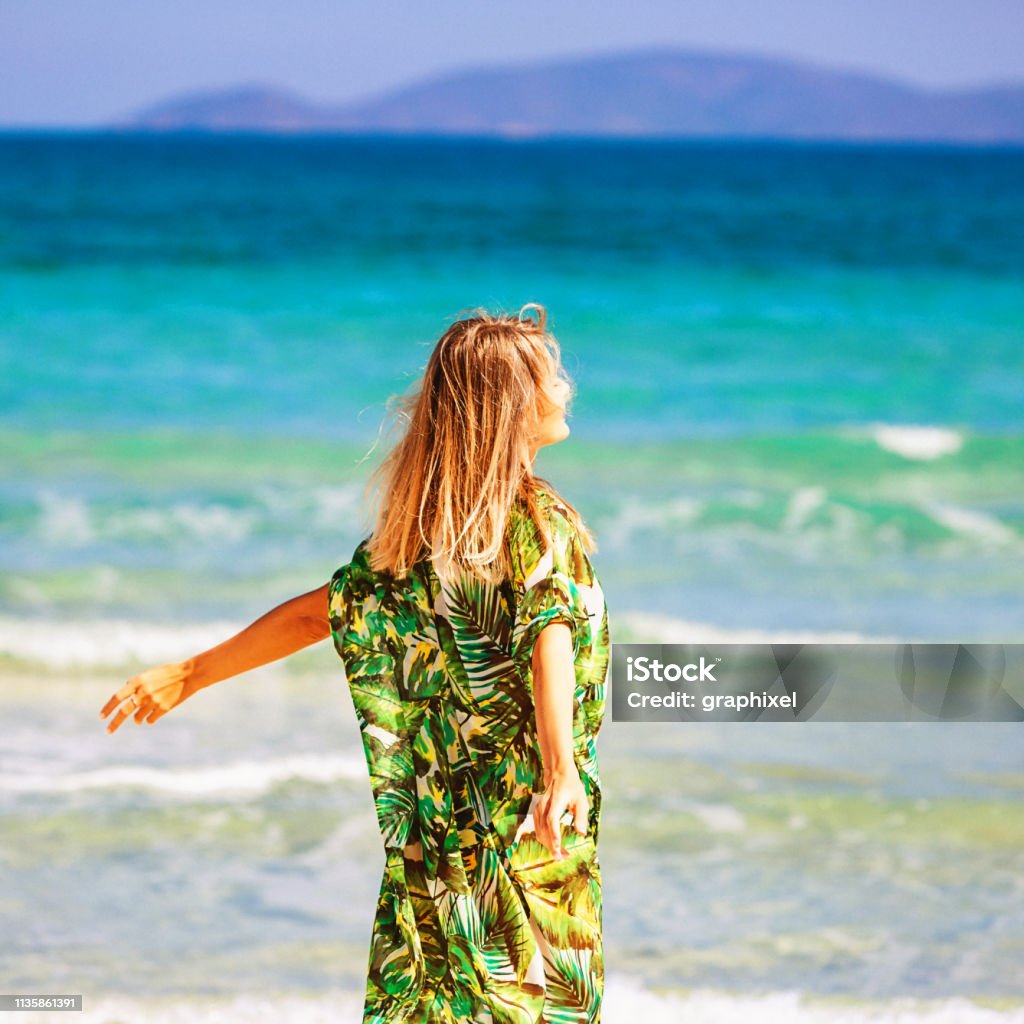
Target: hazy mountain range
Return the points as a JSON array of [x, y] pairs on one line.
[[650, 93]]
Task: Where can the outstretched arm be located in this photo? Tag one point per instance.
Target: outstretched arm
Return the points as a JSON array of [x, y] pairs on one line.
[[288, 628]]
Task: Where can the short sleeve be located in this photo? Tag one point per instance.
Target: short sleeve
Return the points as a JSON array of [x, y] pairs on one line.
[[347, 594], [547, 583], [336, 597]]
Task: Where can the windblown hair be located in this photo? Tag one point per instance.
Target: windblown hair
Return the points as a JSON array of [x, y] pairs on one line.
[[448, 485]]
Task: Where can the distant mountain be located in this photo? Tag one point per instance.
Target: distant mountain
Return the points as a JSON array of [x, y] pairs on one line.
[[651, 93], [261, 107]]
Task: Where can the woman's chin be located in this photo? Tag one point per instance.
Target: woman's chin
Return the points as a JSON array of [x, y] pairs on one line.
[[554, 436]]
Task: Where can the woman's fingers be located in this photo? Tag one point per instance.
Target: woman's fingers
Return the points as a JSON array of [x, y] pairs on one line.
[[153, 713], [553, 831], [129, 711], [551, 808], [122, 714], [545, 824], [149, 695], [120, 697], [581, 816], [126, 708]]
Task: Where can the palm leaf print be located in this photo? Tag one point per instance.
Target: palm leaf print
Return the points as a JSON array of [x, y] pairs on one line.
[[480, 624], [575, 978], [475, 921], [560, 894]]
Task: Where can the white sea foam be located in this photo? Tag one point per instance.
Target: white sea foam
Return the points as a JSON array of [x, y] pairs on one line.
[[334, 505], [240, 778], [803, 502], [71, 520], [634, 516], [106, 642], [917, 442], [717, 817], [644, 627], [109, 643], [970, 522], [625, 1000], [64, 519]]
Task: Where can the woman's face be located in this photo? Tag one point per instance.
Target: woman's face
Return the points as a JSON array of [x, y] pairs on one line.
[[551, 426]]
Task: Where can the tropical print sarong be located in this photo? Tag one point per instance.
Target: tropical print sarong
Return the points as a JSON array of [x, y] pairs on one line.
[[475, 920]]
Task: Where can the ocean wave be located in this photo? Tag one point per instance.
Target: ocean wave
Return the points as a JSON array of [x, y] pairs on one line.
[[70, 520], [799, 492], [809, 520], [118, 643], [106, 643], [715, 817], [242, 778], [972, 524], [917, 441], [646, 627], [625, 1000]]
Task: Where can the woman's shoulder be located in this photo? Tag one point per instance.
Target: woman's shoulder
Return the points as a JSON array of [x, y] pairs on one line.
[[549, 507], [530, 544], [360, 568], [354, 572], [556, 513]]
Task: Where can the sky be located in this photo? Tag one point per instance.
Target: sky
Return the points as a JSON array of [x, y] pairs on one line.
[[77, 63]]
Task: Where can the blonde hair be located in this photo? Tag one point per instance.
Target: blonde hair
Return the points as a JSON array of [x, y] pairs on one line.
[[448, 485]]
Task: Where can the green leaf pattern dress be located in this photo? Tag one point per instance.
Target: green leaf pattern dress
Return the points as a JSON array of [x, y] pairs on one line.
[[475, 920]]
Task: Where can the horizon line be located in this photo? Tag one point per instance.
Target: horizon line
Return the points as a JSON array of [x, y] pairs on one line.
[[505, 139]]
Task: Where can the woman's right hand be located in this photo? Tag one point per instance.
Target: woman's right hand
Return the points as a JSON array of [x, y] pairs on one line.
[[155, 691]]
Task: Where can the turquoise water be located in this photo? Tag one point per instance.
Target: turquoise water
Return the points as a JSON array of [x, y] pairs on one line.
[[800, 394], [786, 357]]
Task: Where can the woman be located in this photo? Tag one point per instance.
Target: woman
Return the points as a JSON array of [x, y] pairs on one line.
[[475, 640]]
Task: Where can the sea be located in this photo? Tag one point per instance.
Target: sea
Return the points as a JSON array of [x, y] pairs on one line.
[[799, 413]]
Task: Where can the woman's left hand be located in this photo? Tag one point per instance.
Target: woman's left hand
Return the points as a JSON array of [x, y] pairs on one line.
[[564, 792]]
